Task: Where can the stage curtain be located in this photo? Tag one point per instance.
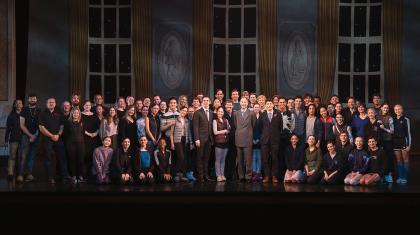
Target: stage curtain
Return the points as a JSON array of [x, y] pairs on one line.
[[267, 46], [142, 47], [327, 47], [79, 35], [202, 45], [392, 32]]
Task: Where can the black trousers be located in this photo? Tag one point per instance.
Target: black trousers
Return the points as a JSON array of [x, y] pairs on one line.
[[284, 142], [76, 151], [90, 145], [315, 178], [203, 156], [230, 167], [191, 159], [174, 157], [270, 159], [181, 153], [59, 149], [389, 156], [336, 179]]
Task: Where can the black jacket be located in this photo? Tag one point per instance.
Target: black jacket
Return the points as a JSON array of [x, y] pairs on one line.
[[295, 158], [271, 131], [13, 132], [121, 162], [203, 127]]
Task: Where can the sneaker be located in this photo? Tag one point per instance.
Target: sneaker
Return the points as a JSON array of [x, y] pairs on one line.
[[398, 181], [388, 179], [81, 180], [29, 178], [403, 181], [51, 181], [190, 176], [19, 179], [73, 180], [184, 179], [223, 178], [219, 179]]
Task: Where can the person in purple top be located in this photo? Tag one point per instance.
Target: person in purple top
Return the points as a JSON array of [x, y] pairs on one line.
[[102, 157]]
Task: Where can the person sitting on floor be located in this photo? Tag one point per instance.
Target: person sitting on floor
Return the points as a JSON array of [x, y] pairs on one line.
[[143, 164], [163, 162], [121, 164], [294, 158], [359, 160], [334, 165], [102, 157], [376, 164], [313, 162]]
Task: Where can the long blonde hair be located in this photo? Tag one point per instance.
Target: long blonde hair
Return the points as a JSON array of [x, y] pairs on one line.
[[72, 111]]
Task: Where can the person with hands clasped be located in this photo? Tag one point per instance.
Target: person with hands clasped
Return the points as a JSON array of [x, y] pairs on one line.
[[143, 164], [221, 129]]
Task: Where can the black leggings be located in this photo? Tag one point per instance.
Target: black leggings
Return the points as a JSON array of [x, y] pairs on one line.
[[389, 156], [315, 178], [336, 179], [181, 162], [76, 155]]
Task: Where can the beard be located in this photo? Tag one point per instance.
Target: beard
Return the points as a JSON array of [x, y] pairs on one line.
[[32, 103]]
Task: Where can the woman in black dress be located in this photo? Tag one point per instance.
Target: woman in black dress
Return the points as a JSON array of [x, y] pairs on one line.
[[91, 125], [121, 107], [75, 145], [127, 128]]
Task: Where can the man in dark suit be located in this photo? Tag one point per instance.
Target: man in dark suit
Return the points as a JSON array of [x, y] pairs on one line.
[[271, 127], [203, 137], [244, 121]]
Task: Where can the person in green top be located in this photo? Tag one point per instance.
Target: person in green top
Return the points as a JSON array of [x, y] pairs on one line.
[[313, 162]]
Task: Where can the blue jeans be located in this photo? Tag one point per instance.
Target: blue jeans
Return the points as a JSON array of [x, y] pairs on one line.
[[220, 154], [27, 155], [256, 160]]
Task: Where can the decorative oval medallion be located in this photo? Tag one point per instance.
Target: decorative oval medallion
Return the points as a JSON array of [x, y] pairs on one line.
[[172, 60], [297, 60]]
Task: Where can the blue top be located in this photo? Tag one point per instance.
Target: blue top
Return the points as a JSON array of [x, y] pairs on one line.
[[358, 126], [145, 159]]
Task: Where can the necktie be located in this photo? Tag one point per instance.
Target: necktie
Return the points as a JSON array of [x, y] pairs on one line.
[[207, 114], [270, 116]]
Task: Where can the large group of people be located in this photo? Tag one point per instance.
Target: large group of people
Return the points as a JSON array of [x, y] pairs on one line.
[[248, 138]]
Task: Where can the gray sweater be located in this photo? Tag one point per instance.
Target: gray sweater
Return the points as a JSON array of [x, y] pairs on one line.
[[180, 129]]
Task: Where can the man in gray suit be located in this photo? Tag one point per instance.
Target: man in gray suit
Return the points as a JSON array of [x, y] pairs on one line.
[[244, 122]]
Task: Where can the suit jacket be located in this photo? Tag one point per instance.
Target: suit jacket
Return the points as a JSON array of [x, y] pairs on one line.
[[232, 128], [203, 127], [270, 131], [244, 127]]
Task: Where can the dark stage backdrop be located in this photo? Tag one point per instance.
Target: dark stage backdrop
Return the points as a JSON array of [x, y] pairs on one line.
[[410, 70], [296, 57], [48, 49], [172, 47]]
